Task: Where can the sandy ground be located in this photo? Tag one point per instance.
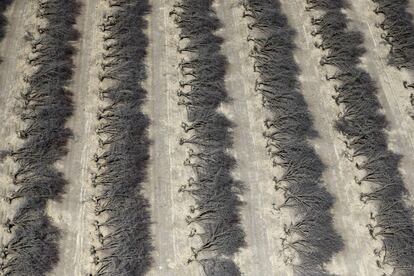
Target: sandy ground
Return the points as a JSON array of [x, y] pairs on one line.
[[350, 215], [72, 214], [392, 94], [394, 98], [12, 52], [262, 226], [166, 172]]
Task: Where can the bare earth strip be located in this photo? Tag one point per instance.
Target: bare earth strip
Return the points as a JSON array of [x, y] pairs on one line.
[[12, 53], [392, 94], [350, 215], [72, 214], [263, 227], [166, 171]]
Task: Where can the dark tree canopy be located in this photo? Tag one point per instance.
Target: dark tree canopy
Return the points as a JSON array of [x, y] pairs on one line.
[[45, 107], [362, 123], [208, 135], [122, 224], [311, 235]]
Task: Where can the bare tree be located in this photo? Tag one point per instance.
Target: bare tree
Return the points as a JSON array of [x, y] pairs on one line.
[[312, 237], [45, 108], [208, 134], [123, 155], [362, 123], [399, 31]]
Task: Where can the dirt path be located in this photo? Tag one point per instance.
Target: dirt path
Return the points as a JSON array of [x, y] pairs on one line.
[[263, 228], [10, 84], [71, 215], [350, 215], [392, 94], [166, 172]]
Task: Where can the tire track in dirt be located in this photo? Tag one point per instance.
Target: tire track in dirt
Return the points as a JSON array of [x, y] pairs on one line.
[[350, 215], [161, 202], [391, 92], [263, 228], [166, 172], [11, 66], [12, 53], [71, 214]]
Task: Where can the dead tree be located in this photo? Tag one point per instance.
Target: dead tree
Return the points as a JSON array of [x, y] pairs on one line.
[[363, 125], [288, 129], [46, 106], [208, 134]]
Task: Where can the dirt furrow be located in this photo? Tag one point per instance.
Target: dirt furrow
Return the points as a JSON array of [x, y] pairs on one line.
[[263, 228], [166, 172], [350, 215], [160, 182], [71, 214], [392, 94], [10, 84]]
